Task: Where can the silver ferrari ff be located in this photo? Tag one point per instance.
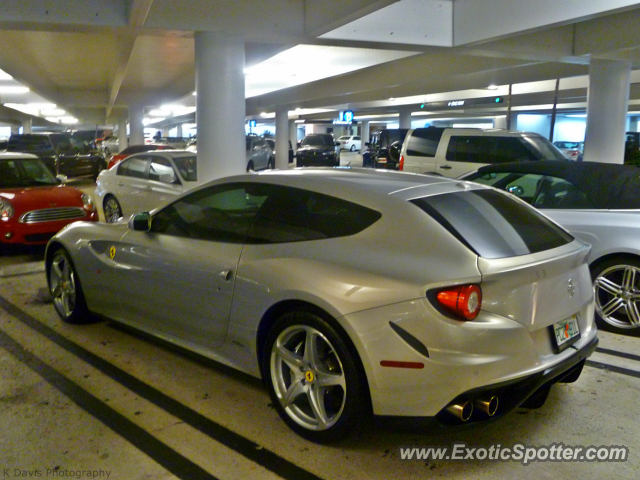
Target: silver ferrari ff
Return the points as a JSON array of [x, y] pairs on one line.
[[350, 292]]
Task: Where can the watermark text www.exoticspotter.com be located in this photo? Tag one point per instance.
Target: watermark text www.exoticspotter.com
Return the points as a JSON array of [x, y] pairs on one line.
[[525, 454], [55, 472]]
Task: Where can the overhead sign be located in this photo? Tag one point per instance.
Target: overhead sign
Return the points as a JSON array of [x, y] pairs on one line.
[[253, 123], [463, 103], [344, 118]]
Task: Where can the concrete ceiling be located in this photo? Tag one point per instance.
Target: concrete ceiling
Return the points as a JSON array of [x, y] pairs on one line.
[[95, 57]]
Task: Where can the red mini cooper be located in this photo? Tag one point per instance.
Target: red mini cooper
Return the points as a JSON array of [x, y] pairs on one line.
[[34, 205]]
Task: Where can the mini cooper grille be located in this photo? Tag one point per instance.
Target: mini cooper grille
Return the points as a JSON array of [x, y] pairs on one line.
[[52, 215]]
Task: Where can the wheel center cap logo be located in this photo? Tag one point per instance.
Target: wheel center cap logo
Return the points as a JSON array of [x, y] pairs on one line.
[[309, 376]]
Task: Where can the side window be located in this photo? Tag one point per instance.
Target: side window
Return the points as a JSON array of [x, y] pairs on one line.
[[160, 170], [294, 215], [487, 149], [424, 142], [134, 167], [522, 185], [558, 193], [222, 213]]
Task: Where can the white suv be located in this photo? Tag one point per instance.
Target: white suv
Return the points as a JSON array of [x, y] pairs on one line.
[[452, 152]]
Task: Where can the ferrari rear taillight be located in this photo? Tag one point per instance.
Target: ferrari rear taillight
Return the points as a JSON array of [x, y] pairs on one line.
[[462, 301], [401, 163]]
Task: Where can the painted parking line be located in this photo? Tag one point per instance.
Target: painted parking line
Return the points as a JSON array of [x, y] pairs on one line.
[[174, 462], [245, 447], [616, 353]]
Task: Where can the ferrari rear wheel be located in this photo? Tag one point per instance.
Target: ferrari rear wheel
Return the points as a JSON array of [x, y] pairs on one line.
[[315, 382], [65, 289]]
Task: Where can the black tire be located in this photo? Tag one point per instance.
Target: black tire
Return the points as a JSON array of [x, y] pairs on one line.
[[394, 151], [250, 167], [616, 283], [345, 404], [353, 148], [112, 209], [65, 289]]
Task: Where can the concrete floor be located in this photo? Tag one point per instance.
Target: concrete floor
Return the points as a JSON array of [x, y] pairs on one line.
[[84, 401]]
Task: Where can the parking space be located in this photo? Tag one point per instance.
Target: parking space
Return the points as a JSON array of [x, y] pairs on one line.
[[99, 397]]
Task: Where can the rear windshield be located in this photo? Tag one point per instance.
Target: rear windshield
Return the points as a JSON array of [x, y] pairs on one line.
[[492, 224], [187, 167]]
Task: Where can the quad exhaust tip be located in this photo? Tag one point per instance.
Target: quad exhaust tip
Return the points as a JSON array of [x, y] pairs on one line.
[[487, 405], [462, 411]]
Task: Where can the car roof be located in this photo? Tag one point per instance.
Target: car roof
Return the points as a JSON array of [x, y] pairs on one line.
[[16, 156], [365, 183], [607, 185]]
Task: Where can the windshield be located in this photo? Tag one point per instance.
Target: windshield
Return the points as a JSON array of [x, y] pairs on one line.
[[545, 150], [318, 140], [25, 173], [187, 168]]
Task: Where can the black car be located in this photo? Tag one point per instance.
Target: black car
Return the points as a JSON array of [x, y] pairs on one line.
[[383, 149], [61, 153], [318, 150]]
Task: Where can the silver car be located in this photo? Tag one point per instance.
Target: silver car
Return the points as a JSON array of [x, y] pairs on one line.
[[350, 292], [144, 181], [598, 203]]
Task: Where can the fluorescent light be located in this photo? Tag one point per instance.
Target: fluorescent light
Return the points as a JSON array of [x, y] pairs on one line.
[[53, 112], [492, 87], [68, 120], [13, 89]]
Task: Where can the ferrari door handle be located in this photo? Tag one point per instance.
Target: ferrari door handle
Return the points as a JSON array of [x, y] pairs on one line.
[[226, 274], [445, 167]]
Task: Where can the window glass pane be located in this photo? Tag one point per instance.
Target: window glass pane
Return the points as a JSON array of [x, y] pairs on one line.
[[424, 142], [293, 215], [222, 213], [485, 149], [492, 224], [558, 193], [187, 168], [135, 167], [160, 166]]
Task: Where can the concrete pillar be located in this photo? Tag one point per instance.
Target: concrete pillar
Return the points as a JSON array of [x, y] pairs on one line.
[[364, 127], [123, 141], [282, 138], [607, 103], [136, 128], [500, 122], [179, 131], [220, 104], [405, 118], [26, 126], [15, 129]]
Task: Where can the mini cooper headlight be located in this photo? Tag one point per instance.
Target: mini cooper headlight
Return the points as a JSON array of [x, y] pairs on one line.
[[87, 202], [6, 209]]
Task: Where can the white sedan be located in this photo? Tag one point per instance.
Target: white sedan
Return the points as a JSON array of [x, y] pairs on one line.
[[145, 181], [350, 142]]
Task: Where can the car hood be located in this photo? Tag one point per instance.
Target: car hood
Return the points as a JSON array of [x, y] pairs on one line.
[[316, 148], [33, 198]]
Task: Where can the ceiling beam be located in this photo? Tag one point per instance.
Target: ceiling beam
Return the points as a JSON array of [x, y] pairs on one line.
[[126, 43]]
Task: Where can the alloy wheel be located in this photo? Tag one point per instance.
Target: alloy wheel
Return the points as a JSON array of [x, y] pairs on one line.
[[617, 291], [63, 285], [308, 377]]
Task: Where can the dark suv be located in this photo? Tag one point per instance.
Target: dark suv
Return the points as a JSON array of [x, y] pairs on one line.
[[318, 149], [383, 149], [61, 153]]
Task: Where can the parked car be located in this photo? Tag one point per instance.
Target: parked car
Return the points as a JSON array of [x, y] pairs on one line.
[[452, 152], [131, 149], [468, 313], [272, 145], [383, 149], [110, 145], [571, 150], [34, 205], [259, 153], [350, 142], [60, 152], [318, 149], [144, 181], [598, 203], [177, 143]]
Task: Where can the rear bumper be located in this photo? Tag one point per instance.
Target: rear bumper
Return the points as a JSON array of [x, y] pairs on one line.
[[511, 394]]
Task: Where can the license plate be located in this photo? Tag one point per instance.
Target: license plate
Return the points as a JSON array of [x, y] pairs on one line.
[[565, 333]]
